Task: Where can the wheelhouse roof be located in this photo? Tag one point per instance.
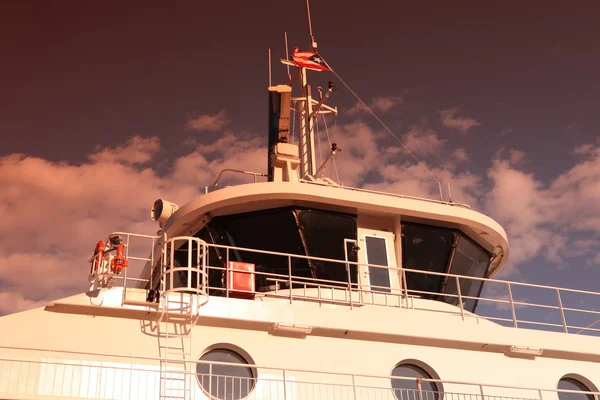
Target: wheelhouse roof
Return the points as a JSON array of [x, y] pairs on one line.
[[191, 217]]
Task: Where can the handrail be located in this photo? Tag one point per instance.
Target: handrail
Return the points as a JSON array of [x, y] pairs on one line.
[[130, 358], [511, 303], [255, 174], [450, 203], [501, 303], [401, 196]]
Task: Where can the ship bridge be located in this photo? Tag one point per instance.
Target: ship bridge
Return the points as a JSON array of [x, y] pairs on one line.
[[319, 237]]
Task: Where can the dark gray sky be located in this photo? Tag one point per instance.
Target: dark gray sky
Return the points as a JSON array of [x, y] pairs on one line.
[[78, 74]]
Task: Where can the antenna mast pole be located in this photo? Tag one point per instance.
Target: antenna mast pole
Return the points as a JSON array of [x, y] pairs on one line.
[[312, 38], [308, 165]]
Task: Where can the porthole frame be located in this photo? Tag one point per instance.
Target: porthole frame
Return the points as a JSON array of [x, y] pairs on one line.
[[425, 367], [582, 380], [250, 364]]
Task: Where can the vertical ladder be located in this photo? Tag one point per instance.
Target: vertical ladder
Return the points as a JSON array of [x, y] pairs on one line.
[[183, 292], [175, 334]]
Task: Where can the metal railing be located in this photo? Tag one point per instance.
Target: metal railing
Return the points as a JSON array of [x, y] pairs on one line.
[[400, 196], [255, 175], [35, 373], [515, 304], [238, 171]]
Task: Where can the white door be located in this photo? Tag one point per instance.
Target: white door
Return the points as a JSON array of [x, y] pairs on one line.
[[377, 250]]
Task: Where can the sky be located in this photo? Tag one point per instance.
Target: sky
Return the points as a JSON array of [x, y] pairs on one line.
[[106, 107]]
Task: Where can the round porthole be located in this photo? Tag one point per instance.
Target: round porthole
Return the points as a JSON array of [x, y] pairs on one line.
[[224, 381], [574, 384], [407, 388]]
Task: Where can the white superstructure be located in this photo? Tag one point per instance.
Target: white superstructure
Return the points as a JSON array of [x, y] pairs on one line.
[[300, 288]]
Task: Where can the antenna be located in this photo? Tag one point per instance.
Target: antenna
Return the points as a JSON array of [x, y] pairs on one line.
[[305, 108], [312, 38], [287, 56]]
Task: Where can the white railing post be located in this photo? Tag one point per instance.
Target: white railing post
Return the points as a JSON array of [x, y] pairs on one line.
[[481, 391], [130, 376], [512, 305], [462, 310], [562, 311], [290, 276], [226, 272], [405, 286], [284, 386], [354, 386]]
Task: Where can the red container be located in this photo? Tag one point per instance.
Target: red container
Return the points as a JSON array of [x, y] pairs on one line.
[[240, 279]]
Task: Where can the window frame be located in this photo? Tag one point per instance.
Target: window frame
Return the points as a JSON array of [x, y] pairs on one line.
[[579, 380], [423, 367], [240, 353]]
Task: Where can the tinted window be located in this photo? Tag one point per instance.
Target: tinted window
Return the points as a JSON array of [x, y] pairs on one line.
[[272, 230], [425, 248], [573, 384], [379, 278], [222, 381], [407, 388], [469, 259], [324, 233]]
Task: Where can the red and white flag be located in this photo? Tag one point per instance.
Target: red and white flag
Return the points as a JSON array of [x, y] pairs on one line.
[[309, 60]]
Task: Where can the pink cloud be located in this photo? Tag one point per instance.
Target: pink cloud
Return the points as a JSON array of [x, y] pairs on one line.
[[381, 104], [421, 140], [207, 122], [53, 213], [451, 120]]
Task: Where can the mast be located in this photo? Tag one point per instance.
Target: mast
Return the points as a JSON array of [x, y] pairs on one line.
[[308, 164], [287, 160]]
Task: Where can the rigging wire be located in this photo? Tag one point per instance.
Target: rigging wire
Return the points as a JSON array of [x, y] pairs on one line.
[[337, 175], [382, 123], [293, 124], [318, 130]]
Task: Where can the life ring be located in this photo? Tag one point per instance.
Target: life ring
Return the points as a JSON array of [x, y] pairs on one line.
[[119, 261], [97, 257]]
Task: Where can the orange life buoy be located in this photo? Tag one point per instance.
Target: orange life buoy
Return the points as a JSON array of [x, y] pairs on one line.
[[119, 261], [97, 257]]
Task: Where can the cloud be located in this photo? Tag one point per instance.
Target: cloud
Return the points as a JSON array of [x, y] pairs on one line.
[[462, 124], [54, 213], [207, 122], [546, 219], [422, 140], [137, 150], [460, 155], [381, 104]]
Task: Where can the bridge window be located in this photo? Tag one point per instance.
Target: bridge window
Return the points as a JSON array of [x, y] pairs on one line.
[[225, 381], [441, 250], [324, 233], [288, 230], [574, 384], [425, 248], [409, 388], [470, 260]]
